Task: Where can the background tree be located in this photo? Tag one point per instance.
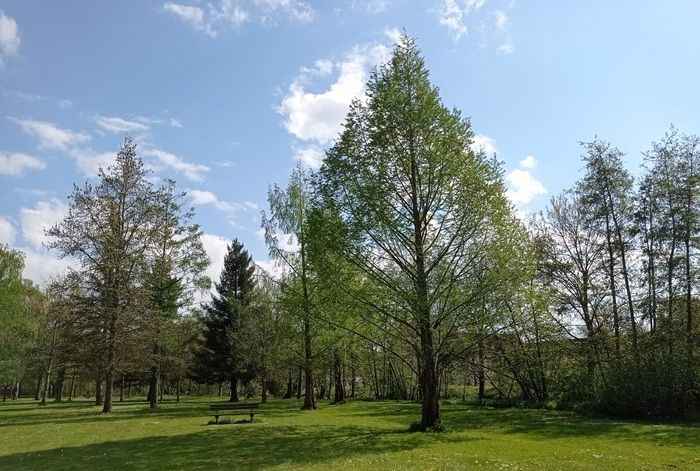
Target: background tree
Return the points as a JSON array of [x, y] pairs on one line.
[[109, 229]]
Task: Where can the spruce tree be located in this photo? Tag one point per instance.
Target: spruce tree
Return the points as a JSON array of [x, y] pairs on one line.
[[220, 357]]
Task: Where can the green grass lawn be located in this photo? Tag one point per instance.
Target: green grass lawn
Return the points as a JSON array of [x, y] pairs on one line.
[[358, 435]]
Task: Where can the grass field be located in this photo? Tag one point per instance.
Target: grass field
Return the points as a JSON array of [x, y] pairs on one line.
[[358, 435]]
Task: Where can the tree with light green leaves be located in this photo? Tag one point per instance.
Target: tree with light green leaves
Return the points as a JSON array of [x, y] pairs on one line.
[[424, 212]]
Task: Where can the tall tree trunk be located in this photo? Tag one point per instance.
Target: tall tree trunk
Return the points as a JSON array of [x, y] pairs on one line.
[[234, 389], [263, 383], [121, 390], [18, 387], [45, 392], [71, 388], [177, 390], [299, 384], [99, 400], [339, 396], [481, 376], [60, 380], [288, 394], [611, 280], [37, 392]]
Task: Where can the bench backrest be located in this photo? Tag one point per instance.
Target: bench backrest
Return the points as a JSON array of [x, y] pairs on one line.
[[235, 406]]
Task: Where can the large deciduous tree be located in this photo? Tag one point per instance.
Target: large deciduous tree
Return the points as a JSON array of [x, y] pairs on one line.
[[424, 210]]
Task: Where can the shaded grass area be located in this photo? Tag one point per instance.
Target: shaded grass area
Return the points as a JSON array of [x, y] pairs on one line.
[[356, 435]]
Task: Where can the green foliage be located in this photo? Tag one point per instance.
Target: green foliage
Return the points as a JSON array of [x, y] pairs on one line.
[[651, 384]]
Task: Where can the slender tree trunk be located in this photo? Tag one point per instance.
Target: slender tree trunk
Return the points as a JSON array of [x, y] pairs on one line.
[[162, 388], [121, 390], [153, 377], [288, 394], [481, 376], [177, 390], [263, 383], [18, 387], [339, 396], [45, 392], [111, 359], [71, 388], [299, 384]]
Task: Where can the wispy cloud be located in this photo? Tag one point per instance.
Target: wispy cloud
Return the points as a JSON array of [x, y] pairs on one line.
[[16, 164], [9, 38], [212, 18], [201, 197], [194, 172], [115, 124], [219, 16], [49, 135]]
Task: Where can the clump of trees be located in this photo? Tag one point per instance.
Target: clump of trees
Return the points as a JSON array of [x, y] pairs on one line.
[[403, 273]]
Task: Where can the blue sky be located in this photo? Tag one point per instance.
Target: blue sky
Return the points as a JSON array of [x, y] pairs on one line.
[[225, 96]]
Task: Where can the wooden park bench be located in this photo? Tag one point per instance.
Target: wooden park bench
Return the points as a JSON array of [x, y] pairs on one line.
[[233, 408]]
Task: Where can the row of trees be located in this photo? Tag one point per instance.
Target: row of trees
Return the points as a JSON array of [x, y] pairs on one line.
[[403, 271]]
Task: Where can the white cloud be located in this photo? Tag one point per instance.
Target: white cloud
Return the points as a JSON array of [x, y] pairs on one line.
[[119, 125], [9, 37], [451, 16], [200, 197], [40, 265], [370, 6], [16, 164], [23, 96], [49, 135], [312, 156], [393, 34], [39, 218], [501, 20], [176, 123], [89, 162], [523, 186], [194, 172], [64, 104], [318, 117], [528, 162], [483, 143], [216, 248], [7, 231]]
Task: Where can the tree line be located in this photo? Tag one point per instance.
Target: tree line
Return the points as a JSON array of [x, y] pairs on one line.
[[403, 273]]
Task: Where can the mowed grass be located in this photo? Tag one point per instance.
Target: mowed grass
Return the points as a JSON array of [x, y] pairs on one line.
[[357, 435]]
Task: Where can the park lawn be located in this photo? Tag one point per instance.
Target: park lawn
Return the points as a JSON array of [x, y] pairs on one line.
[[357, 435]]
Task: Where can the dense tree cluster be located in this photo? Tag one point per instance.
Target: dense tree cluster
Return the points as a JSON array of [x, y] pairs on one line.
[[403, 273]]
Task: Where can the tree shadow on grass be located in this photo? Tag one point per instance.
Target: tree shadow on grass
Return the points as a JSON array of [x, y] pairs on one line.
[[546, 424], [248, 446]]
